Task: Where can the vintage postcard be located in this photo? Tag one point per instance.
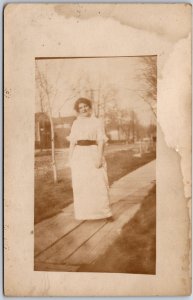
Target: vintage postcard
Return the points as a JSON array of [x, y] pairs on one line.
[[97, 149]]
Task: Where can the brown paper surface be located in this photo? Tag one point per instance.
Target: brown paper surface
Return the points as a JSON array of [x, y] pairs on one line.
[[83, 30]]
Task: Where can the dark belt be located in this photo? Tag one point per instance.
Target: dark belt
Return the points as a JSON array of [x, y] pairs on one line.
[[86, 143]]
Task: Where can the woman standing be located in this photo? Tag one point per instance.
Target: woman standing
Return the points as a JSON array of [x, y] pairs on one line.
[[88, 166]]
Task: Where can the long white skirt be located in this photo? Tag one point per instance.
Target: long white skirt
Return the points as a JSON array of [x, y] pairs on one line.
[[90, 185]]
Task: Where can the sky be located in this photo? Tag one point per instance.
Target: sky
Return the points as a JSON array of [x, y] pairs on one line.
[[116, 79]]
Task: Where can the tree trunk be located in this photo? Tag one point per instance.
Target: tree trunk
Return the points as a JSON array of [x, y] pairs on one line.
[[52, 143], [44, 86], [53, 151], [96, 108]]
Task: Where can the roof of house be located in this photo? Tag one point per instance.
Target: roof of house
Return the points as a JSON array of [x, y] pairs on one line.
[[40, 116]]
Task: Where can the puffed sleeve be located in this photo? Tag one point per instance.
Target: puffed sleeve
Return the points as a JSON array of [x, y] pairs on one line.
[[73, 133], [101, 136]]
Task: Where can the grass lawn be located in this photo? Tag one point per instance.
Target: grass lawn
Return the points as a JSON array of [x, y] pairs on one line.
[[51, 198], [134, 251], [123, 162]]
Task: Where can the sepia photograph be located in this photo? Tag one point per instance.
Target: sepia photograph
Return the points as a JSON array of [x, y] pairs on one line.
[[95, 164], [97, 160]]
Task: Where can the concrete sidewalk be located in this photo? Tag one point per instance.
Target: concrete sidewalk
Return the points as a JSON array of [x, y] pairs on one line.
[[63, 243]]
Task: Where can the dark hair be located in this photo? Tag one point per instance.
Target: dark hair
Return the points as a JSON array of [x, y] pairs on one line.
[[82, 100]]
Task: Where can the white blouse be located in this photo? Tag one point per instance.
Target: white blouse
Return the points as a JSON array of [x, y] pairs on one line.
[[87, 128]]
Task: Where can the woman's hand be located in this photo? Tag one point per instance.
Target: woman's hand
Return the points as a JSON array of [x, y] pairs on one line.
[[99, 161]]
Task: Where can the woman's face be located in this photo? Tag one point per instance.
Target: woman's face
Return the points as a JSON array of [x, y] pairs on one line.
[[84, 110]]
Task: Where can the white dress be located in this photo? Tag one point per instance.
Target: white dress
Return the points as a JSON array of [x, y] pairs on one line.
[[90, 184]]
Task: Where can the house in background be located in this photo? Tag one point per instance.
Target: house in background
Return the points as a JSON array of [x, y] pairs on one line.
[[42, 131], [62, 126]]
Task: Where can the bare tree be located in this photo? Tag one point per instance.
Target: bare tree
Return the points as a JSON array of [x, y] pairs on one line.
[[46, 91], [106, 99], [148, 76]]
